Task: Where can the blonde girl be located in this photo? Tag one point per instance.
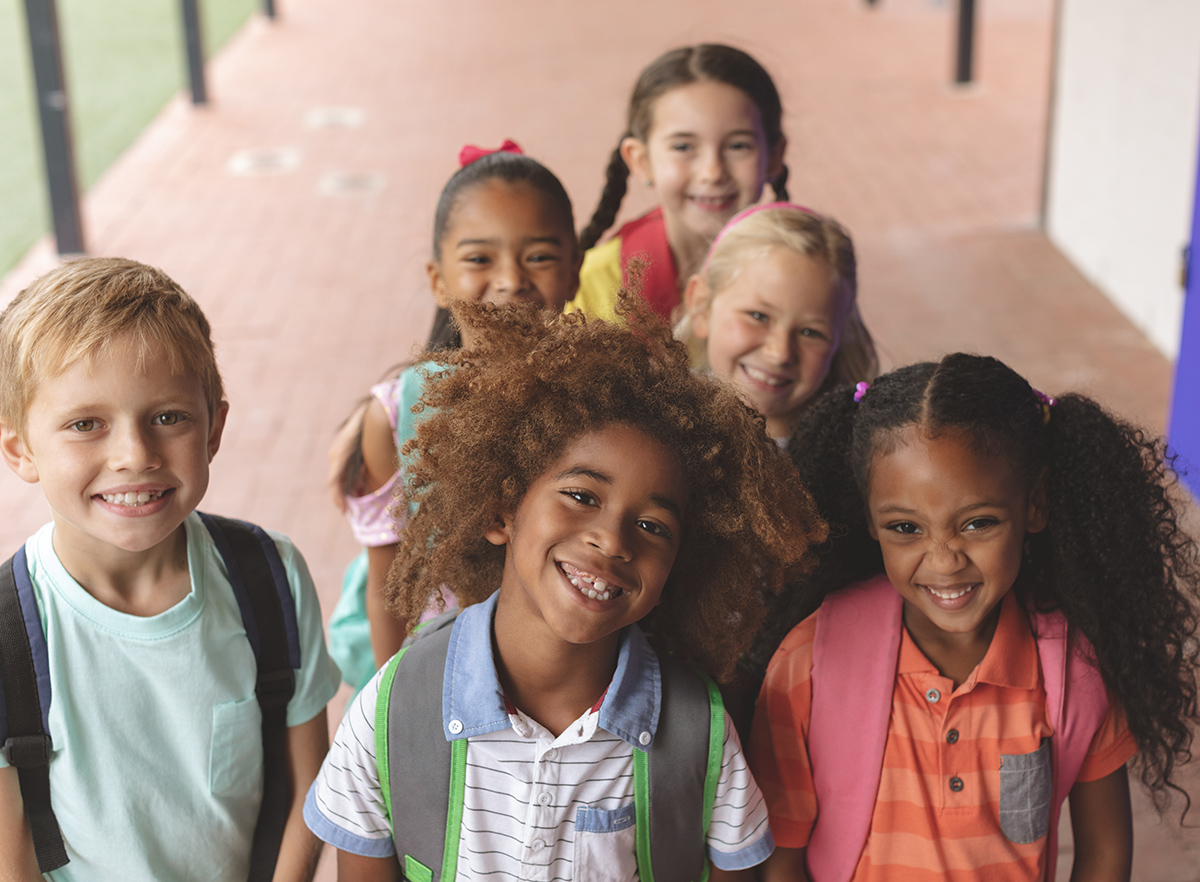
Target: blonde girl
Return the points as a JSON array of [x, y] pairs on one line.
[[774, 311]]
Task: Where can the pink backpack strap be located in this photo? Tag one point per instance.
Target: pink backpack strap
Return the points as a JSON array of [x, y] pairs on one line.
[[646, 237], [855, 652], [1068, 666]]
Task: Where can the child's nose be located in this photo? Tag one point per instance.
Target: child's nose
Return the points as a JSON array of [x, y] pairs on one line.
[[780, 345], [132, 450], [510, 278], [945, 557], [608, 535], [712, 165]]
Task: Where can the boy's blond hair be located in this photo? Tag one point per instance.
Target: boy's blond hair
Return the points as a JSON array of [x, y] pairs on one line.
[[81, 310]]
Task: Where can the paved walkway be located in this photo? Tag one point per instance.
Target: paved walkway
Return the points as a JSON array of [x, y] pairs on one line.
[[297, 207]]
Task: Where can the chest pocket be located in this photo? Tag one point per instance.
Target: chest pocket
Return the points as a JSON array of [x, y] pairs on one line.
[[235, 760], [1026, 782], [605, 845]]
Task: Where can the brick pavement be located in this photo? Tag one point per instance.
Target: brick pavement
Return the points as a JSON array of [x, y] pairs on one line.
[[345, 120]]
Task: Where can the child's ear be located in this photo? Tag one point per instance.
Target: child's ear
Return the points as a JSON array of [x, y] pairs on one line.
[[637, 157], [217, 429], [437, 285], [501, 532], [695, 299], [17, 454], [1039, 510]]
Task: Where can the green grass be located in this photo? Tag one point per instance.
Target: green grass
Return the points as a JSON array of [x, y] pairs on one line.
[[123, 60]]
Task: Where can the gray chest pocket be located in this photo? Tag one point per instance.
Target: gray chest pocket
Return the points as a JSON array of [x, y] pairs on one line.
[[1026, 786]]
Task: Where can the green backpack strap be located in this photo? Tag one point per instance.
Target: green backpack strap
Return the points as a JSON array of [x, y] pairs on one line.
[[432, 772], [675, 780]]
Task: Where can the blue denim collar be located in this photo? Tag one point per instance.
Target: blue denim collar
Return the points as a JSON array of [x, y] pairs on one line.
[[473, 701]]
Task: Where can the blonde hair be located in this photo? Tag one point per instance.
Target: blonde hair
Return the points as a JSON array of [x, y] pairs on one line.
[[87, 307], [812, 235]]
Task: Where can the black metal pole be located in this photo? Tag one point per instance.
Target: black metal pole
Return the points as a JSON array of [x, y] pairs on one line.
[[195, 50], [46, 53], [269, 8], [966, 41]]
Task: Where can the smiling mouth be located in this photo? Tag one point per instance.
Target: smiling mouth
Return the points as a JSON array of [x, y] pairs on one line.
[[132, 499], [950, 595], [712, 202], [772, 380], [590, 586]]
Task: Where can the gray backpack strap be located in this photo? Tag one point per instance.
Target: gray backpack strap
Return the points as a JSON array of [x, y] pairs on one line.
[[418, 755], [684, 764]]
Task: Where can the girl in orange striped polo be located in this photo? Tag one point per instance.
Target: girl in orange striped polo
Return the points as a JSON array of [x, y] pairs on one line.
[[1018, 628]]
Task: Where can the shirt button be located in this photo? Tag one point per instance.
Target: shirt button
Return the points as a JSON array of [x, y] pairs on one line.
[[644, 738], [537, 845], [933, 696], [544, 799], [550, 754], [956, 784], [952, 736], [455, 727]]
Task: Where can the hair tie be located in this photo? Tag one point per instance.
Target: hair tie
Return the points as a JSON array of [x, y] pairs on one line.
[[860, 390], [1046, 403], [741, 216], [470, 153]]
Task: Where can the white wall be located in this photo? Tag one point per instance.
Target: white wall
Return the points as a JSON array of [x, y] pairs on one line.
[[1122, 165]]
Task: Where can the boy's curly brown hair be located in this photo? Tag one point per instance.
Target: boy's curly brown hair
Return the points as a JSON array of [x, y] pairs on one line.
[[507, 409]]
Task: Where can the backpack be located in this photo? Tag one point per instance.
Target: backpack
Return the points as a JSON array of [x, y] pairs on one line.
[[675, 779], [268, 610], [861, 625]]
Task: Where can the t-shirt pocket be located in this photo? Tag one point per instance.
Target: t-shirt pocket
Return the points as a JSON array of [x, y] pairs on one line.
[[605, 844], [1026, 786], [235, 759]]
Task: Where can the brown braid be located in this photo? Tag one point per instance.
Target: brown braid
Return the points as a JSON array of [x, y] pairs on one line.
[[779, 185], [616, 178]]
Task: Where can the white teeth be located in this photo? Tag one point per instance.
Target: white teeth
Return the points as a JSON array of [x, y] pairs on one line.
[[591, 586], [951, 595], [763, 377], [131, 498]]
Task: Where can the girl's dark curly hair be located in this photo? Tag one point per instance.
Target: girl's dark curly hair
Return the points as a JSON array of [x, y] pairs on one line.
[[1112, 558], [705, 62], [505, 411]]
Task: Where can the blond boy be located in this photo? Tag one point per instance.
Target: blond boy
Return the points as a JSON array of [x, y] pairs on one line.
[[111, 400]]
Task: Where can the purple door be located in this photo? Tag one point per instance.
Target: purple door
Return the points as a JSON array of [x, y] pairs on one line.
[[1184, 424]]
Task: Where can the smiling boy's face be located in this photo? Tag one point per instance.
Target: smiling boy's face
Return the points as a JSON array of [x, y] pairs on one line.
[[594, 539], [121, 450]]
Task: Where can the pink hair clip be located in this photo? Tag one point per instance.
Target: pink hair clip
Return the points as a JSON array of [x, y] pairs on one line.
[[1046, 402], [860, 390], [470, 153]]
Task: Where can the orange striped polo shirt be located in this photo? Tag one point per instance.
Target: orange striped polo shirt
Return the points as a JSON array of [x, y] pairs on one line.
[[938, 811]]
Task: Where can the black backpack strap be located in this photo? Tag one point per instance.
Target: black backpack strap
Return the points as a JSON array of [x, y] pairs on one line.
[[264, 596], [26, 699]]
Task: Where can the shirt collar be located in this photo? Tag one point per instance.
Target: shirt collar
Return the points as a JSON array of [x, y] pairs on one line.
[[473, 700], [1011, 659]]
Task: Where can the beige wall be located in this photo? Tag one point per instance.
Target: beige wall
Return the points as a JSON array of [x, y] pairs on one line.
[[1122, 164]]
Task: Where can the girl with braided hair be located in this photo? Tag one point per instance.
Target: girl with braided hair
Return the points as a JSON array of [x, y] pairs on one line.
[[704, 134], [1024, 629]]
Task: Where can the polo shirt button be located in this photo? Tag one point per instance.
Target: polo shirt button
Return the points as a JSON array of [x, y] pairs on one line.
[[933, 696], [644, 738], [544, 799], [537, 845], [952, 736], [956, 784], [550, 754], [455, 727]]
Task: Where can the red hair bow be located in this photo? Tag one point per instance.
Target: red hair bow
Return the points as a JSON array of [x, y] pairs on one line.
[[470, 153]]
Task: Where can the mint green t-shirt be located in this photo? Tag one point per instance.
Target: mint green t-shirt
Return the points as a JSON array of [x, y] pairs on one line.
[[156, 771]]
